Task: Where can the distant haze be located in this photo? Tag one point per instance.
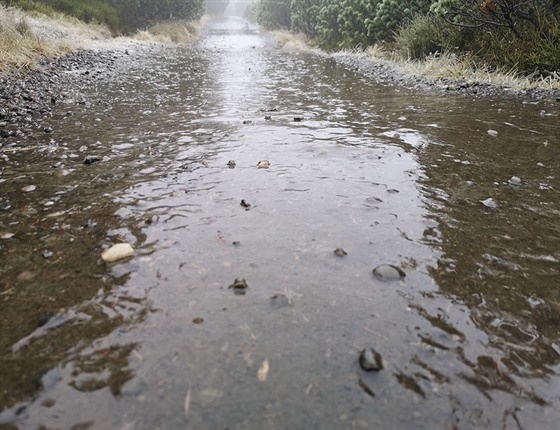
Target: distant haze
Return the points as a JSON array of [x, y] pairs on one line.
[[237, 7]]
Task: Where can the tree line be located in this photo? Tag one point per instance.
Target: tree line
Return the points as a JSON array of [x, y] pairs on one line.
[[519, 34]]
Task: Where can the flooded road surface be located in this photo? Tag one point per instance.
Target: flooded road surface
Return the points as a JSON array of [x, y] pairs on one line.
[[236, 312]]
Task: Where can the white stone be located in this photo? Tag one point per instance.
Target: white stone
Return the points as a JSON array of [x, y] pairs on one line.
[[117, 252]]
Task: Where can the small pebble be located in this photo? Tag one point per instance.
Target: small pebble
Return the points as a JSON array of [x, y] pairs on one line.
[[370, 359], [340, 252], [90, 159], [117, 252], [239, 286], [388, 272], [489, 203]]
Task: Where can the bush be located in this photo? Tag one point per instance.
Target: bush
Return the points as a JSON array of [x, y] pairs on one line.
[[275, 14], [430, 34], [391, 14], [534, 54]]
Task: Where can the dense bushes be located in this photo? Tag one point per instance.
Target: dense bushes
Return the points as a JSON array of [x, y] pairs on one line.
[[518, 34], [274, 13], [143, 13]]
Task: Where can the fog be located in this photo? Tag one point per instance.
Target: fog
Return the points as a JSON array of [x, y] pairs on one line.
[[237, 7]]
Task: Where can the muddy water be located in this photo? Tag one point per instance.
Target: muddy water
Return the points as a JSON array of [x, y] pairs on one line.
[[462, 195]]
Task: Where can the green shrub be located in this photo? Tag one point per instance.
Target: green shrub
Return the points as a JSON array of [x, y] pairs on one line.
[[534, 54], [305, 16], [274, 14], [430, 34], [391, 14]]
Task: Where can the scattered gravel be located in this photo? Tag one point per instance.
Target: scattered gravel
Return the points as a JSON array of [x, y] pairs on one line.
[[389, 75], [27, 97]]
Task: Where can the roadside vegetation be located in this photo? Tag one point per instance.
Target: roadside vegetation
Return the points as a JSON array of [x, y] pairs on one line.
[[515, 38], [32, 29]]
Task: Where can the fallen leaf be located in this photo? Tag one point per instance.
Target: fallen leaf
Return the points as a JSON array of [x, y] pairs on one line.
[[262, 374]]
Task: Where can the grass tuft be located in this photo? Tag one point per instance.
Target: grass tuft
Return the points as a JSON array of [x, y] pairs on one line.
[[170, 32]]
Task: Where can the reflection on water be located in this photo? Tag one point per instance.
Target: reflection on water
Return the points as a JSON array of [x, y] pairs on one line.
[[470, 338]]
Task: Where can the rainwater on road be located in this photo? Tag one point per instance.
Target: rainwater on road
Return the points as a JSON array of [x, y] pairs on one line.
[[456, 198]]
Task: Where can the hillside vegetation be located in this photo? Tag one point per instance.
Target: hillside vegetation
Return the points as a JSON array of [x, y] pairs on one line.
[[520, 36], [30, 30]]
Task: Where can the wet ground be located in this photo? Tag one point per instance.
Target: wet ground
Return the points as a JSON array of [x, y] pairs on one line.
[[456, 198]]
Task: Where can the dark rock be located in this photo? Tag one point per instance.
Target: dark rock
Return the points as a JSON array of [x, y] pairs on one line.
[[90, 159], [370, 359], [43, 319], [239, 286], [340, 252]]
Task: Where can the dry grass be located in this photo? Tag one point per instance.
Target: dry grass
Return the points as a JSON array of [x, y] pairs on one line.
[[461, 68], [26, 37], [172, 32], [20, 44], [450, 67], [288, 40]]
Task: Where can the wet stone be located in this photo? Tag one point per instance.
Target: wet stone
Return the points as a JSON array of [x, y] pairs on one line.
[[370, 359], [117, 252], [388, 273], [90, 159], [29, 188], [340, 252], [489, 203], [239, 286]]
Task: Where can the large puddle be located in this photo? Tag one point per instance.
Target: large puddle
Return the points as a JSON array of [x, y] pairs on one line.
[[460, 194]]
